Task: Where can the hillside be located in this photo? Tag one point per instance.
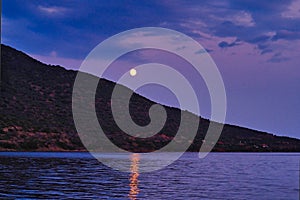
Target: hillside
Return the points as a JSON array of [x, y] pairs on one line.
[[36, 114]]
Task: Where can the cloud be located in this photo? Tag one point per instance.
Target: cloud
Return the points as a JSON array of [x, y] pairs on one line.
[[201, 51], [286, 35], [68, 63], [214, 24], [293, 10], [192, 24], [277, 58], [259, 39], [53, 54], [243, 18], [225, 44], [266, 51], [264, 48], [52, 10]]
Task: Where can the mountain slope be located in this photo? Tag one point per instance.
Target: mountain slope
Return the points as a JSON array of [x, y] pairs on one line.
[[36, 114]]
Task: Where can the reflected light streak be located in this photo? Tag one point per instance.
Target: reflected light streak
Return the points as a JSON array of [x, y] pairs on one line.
[[134, 168]]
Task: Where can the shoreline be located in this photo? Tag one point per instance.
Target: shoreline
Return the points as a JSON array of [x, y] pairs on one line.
[[85, 151]]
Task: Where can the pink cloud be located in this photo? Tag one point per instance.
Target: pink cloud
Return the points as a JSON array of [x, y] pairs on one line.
[[293, 10]]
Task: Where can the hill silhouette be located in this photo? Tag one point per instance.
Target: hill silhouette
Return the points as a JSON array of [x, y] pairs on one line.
[[36, 114]]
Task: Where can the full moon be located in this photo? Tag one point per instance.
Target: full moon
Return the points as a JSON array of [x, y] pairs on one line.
[[132, 72]]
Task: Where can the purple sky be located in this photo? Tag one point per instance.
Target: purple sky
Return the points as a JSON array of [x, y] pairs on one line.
[[255, 45]]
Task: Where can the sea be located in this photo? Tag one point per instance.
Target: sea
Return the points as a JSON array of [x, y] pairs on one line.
[[78, 175]]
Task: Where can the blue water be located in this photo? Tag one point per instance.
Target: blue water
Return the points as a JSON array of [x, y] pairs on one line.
[[218, 176]]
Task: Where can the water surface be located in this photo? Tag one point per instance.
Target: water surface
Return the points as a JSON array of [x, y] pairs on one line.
[[218, 176]]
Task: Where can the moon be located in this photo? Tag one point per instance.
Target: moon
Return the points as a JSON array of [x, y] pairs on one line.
[[132, 72]]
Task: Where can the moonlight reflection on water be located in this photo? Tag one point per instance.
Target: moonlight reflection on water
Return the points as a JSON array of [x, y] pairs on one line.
[[134, 190]]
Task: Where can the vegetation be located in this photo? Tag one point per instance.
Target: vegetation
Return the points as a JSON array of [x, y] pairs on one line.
[[36, 114]]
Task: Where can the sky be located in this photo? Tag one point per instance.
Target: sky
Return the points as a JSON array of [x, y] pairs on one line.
[[255, 45]]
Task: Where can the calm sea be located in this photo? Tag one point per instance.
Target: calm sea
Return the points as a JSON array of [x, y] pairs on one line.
[[218, 176]]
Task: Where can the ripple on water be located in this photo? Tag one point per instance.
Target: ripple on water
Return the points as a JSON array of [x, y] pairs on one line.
[[218, 176]]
